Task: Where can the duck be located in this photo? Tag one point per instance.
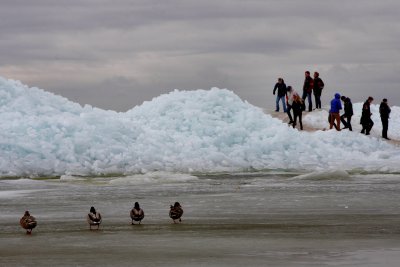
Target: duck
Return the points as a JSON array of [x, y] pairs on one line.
[[94, 218], [28, 222], [175, 212], [137, 214]]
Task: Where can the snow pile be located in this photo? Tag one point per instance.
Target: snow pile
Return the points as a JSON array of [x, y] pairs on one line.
[[319, 119], [42, 134]]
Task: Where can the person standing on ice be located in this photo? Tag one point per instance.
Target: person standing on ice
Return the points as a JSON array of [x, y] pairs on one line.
[[348, 112], [365, 120], [281, 87], [318, 86], [384, 110], [290, 94], [307, 89], [297, 110], [336, 106]]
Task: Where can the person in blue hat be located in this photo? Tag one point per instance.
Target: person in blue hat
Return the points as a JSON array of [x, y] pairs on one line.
[[334, 112]]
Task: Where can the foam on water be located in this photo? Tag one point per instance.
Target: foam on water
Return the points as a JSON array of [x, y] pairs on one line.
[[153, 177], [323, 175], [42, 134]]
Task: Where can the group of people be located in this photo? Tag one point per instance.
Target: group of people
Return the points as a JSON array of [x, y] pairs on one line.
[[365, 121], [310, 86], [28, 222], [292, 101], [287, 95]]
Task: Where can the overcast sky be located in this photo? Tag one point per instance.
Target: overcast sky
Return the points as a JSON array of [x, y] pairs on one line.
[[116, 54]]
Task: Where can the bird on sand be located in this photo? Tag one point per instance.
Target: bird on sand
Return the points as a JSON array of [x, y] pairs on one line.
[[137, 213], [94, 218], [28, 222]]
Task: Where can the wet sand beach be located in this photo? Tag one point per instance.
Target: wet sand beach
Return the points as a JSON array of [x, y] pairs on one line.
[[254, 219]]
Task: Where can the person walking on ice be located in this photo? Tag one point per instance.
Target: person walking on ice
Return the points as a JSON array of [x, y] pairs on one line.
[[348, 113], [366, 114], [336, 106], [281, 94]]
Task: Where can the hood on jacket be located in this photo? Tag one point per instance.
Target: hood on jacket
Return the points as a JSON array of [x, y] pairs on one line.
[[337, 96]]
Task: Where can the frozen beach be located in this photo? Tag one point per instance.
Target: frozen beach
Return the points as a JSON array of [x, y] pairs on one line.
[[255, 192], [258, 219], [206, 131]]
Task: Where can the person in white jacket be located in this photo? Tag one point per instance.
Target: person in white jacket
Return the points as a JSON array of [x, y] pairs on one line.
[[290, 93]]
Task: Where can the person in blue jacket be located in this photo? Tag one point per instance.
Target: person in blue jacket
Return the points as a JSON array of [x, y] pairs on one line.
[[334, 112]]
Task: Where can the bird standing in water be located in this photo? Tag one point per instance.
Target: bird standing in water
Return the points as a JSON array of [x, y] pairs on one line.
[[94, 218], [137, 214], [175, 212], [28, 222]]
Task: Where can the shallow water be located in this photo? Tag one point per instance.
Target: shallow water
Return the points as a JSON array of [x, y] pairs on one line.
[[254, 219]]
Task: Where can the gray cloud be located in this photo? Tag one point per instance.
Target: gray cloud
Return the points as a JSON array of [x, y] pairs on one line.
[[117, 54]]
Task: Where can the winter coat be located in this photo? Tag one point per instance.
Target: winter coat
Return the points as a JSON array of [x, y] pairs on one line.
[[336, 106], [318, 86], [281, 89], [366, 111], [384, 110], [348, 107], [308, 84], [297, 106]]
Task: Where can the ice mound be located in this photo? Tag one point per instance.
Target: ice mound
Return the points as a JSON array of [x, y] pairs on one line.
[[42, 134]]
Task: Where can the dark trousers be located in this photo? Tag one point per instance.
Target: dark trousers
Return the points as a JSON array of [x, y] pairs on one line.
[[347, 124], [385, 126], [367, 125], [289, 108], [317, 101], [297, 114], [308, 95]]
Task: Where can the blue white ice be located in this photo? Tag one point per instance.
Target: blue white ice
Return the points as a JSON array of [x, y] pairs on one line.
[[42, 134]]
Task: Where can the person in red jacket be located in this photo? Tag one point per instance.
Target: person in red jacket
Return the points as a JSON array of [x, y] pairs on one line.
[[307, 89]]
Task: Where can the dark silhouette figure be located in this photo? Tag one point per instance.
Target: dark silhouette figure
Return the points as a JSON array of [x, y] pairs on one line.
[[318, 86], [366, 120], [307, 89], [384, 110], [348, 113]]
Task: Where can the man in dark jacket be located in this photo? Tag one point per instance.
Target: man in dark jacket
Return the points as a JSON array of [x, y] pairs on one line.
[[318, 86], [366, 121], [307, 89], [348, 113], [281, 96], [384, 110]]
